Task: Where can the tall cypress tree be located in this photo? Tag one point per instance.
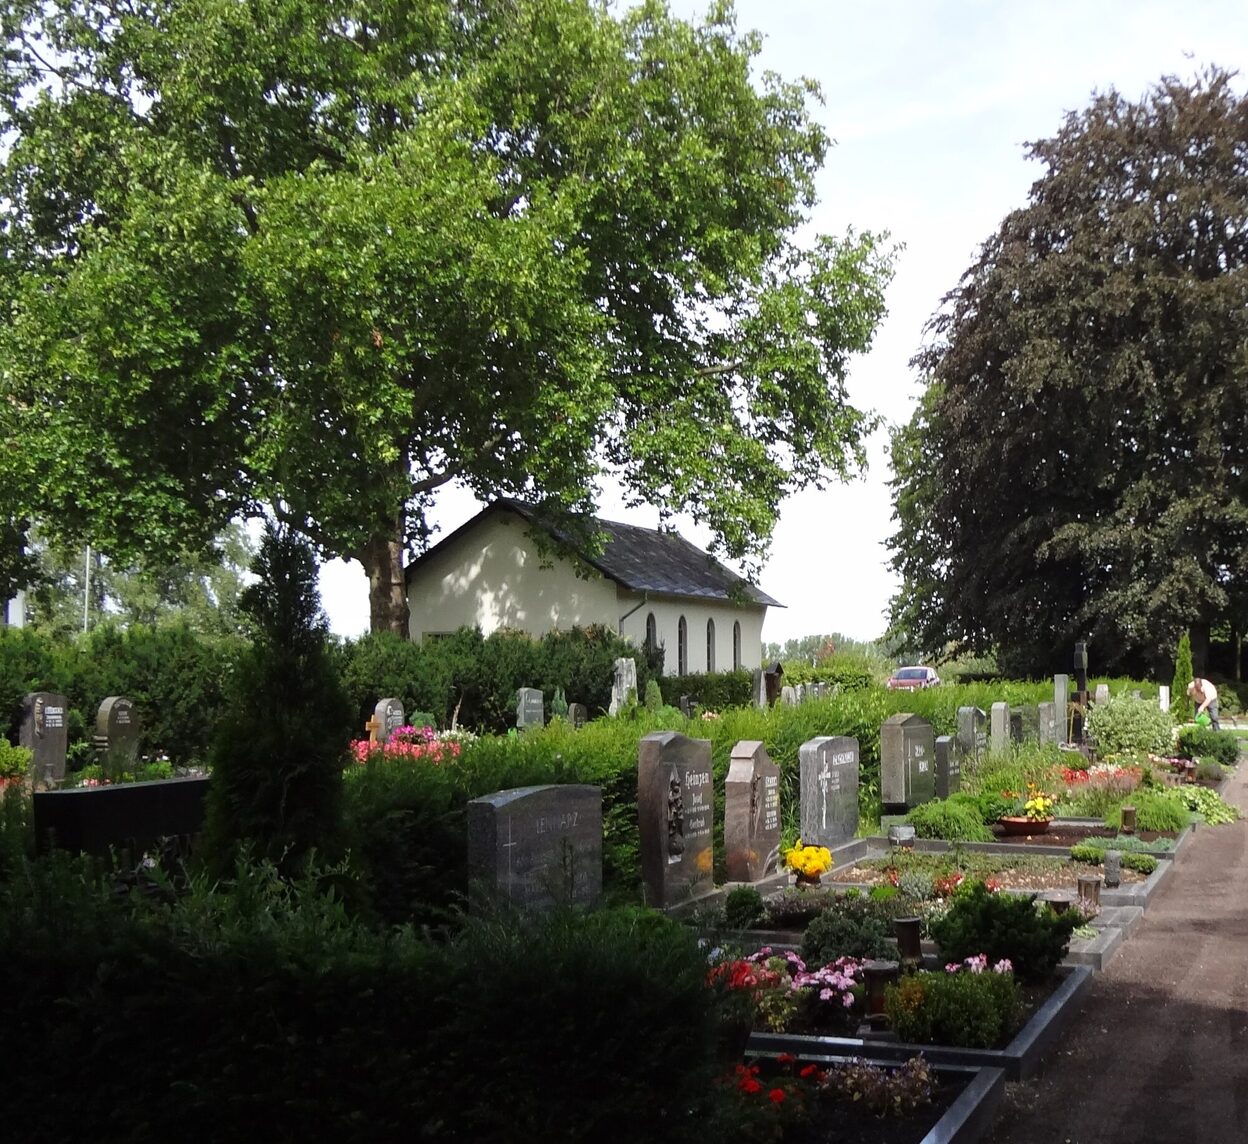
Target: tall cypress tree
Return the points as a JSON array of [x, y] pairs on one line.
[[1180, 701]]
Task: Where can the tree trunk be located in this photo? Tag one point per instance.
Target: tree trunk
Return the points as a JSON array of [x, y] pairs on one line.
[[382, 558]]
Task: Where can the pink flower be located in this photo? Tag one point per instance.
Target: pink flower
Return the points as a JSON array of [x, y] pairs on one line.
[[1003, 966]]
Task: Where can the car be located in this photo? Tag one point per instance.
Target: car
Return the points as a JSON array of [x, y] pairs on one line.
[[913, 679]]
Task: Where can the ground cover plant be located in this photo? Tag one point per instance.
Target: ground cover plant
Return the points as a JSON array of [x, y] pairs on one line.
[[969, 1004]]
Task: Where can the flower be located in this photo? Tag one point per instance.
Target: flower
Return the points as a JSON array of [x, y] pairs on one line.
[[809, 861], [776, 1096]]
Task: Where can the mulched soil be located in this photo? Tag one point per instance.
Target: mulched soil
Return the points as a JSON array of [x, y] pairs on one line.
[[1068, 836], [1023, 877]]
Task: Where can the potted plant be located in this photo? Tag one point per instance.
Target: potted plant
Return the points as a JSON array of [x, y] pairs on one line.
[[809, 863], [1033, 812]]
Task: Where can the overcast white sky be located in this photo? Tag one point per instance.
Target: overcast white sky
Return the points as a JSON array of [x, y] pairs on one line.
[[930, 103]]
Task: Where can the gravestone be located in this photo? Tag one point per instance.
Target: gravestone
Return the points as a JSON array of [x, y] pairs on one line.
[[624, 683], [390, 717], [117, 728], [771, 682], [1163, 697], [530, 708], [1102, 693], [999, 728], [907, 757], [1016, 724], [1061, 700], [537, 847], [1080, 698], [751, 814], [578, 715], [676, 809], [1113, 868], [828, 769], [948, 767], [45, 734], [788, 696], [686, 706], [1048, 724], [758, 689], [972, 737]]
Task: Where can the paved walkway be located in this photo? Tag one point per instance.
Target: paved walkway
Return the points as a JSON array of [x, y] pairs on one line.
[[1158, 1054]]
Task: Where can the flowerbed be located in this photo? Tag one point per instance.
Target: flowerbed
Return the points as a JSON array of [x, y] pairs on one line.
[[415, 743]]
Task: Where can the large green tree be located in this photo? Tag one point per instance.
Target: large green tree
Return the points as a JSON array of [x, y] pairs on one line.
[[1077, 463], [330, 255]]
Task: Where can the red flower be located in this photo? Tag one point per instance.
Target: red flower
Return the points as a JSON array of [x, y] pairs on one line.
[[750, 1085], [811, 1071], [776, 1096], [785, 1059]]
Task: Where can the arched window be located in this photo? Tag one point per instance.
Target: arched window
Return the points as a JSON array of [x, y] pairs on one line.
[[710, 645], [682, 647], [736, 646], [652, 633]]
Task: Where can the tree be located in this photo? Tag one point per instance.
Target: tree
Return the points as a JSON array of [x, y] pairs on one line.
[[330, 255], [1077, 465], [1180, 701]]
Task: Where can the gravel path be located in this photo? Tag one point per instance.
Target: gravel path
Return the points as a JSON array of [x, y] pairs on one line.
[[1159, 1051]]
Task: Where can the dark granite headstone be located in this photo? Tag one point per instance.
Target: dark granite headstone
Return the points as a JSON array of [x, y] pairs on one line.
[[829, 790], [948, 767], [44, 733], [390, 717], [972, 737], [578, 715], [771, 682], [1016, 724], [999, 728], [676, 809], [530, 708], [907, 757], [751, 814], [537, 847], [136, 817], [117, 728]]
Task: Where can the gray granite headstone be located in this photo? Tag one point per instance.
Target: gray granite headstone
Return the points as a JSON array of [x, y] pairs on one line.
[[1163, 697], [1048, 723], [788, 696], [676, 809], [530, 708], [1102, 693], [117, 728], [623, 684], [758, 689], [390, 717], [948, 767], [972, 737], [829, 790], [1113, 868], [999, 728], [751, 814], [578, 715], [1061, 700], [907, 761], [537, 847], [44, 733]]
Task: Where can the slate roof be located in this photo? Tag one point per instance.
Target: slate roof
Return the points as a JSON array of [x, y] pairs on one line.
[[640, 559]]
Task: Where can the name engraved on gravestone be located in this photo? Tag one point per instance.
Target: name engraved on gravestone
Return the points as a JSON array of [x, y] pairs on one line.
[[999, 727], [828, 769], [972, 737], [623, 684], [1061, 700], [530, 708], [578, 715], [537, 847], [117, 728], [948, 767], [44, 733], [907, 757], [1047, 714], [390, 717], [676, 812], [751, 814]]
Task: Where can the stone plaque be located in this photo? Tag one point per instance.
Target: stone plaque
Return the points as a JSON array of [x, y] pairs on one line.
[[907, 758], [829, 790], [45, 734], [788, 696], [537, 847], [751, 814], [390, 717], [1102, 693], [624, 684], [972, 737], [117, 728], [530, 708], [1061, 700], [948, 767], [999, 728], [578, 715], [1047, 713], [676, 808]]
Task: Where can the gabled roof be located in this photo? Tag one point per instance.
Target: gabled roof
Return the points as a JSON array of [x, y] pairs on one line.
[[640, 559]]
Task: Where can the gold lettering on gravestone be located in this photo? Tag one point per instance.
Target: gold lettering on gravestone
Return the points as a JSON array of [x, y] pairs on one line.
[[771, 802]]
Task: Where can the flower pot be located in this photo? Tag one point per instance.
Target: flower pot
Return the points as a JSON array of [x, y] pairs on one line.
[[1021, 824], [807, 880]]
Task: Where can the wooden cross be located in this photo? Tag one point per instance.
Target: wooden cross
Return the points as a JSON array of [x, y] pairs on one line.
[[373, 726]]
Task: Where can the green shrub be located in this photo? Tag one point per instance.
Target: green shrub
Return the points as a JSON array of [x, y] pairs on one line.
[[969, 1010], [915, 884], [1205, 742], [654, 695], [1125, 723], [992, 805], [1154, 810], [1180, 701], [14, 761], [1210, 805], [850, 927], [1131, 860], [743, 908], [952, 821], [1208, 771], [796, 909], [715, 691], [1034, 939]]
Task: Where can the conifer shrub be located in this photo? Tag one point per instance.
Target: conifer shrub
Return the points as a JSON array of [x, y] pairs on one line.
[[951, 820], [1180, 701], [1206, 743]]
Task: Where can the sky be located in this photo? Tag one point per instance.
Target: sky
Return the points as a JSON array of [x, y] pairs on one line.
[[930, 103]]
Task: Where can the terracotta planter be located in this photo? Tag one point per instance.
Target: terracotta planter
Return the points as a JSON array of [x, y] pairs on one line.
[[1020, 824]]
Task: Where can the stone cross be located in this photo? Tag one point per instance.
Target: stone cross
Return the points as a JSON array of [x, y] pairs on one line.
[[374, 727]]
